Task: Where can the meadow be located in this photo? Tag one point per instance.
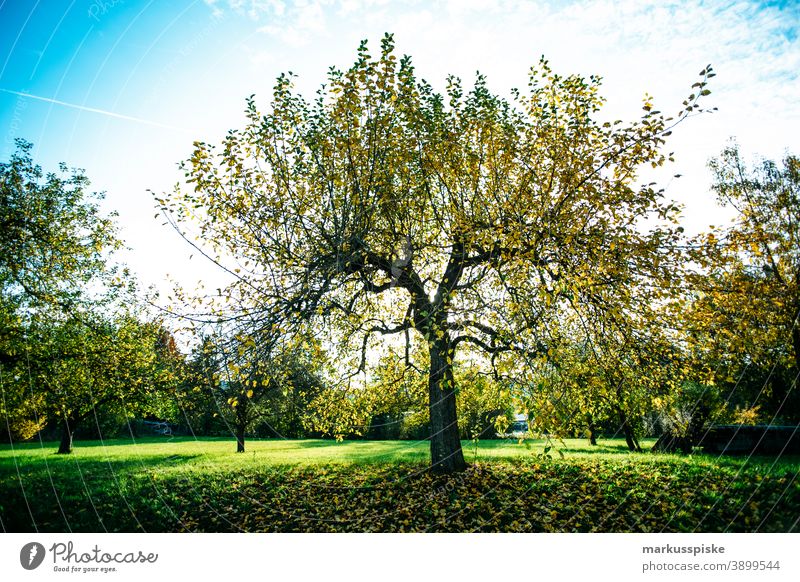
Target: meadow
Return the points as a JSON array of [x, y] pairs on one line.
[[202, 485]]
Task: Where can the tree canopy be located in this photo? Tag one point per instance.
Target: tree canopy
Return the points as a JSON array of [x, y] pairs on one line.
[[53, 239]]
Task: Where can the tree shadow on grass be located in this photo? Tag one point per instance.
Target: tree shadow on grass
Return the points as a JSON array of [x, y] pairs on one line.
[[597, 449], [79, 494], [370, 451], [554, 446]]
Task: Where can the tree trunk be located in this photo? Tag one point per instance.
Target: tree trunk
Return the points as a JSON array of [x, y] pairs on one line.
[[67, 432], [592, 431], [446, 453], [630, 437], [241, 423], [294, 416], [239, 439]]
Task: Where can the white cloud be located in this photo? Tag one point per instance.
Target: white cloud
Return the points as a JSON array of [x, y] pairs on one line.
[[254, 9], [295, 26], [216, 11]]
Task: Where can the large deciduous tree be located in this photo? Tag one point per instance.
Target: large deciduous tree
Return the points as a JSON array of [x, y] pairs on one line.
[[384, 207]]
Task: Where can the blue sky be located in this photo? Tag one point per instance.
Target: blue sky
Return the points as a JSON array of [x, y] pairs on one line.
[[122, 88]]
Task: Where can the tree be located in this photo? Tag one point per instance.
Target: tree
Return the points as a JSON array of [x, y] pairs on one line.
[[61, 354], [195, 401], [485, 407], [609, 378], [112, 364], [237, 382], [569, 397], [383, 207], [684, 415], [53, 241], [744, 311], [250, 383]]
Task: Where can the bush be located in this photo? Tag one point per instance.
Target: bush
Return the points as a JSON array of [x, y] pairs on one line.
[[684, 417]]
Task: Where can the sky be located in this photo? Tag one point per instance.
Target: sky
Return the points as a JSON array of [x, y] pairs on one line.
[[122, 88]]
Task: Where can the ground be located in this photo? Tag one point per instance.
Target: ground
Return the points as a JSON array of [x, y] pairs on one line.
[[185, 484]]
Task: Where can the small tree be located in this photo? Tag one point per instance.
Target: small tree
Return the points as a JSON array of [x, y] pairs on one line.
[[569, 396], [114, 364], [684, 415], [383, 207], [251, 383], [485, 406]]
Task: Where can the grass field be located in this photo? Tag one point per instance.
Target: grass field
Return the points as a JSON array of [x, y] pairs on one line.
[[184, 484]]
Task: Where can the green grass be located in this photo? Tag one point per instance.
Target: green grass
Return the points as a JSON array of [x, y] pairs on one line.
[[215, 453], [184, 484]]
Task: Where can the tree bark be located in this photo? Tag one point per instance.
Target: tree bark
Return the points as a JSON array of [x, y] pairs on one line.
[[630, 437], [446, 453], [294, 416], [67, 432], [241, 423], [239, 438], [592, 431]]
